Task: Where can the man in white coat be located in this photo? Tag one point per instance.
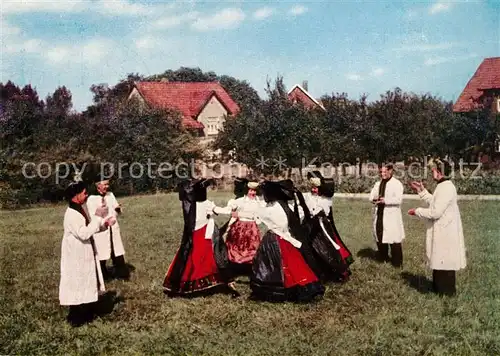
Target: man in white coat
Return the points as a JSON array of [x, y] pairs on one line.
[[388, 229], [445, 246], [109, 242], [81, 278]]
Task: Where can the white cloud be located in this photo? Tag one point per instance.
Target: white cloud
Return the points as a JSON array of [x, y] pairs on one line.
[[439, 6], [298, 10], [441, 60], [263, 13], [174, 20], [354, 76], [147, 42], [424, 47], [7, 29], [121, 7], [103, 7], [95, 50], [377, 72], [17, 6], [58, 54], [91, 52], [224, 19], [27, 46]]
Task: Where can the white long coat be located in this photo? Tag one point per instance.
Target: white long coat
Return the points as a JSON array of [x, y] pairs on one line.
[[80, 269], [445, 246], [103, 239], [394, 231]]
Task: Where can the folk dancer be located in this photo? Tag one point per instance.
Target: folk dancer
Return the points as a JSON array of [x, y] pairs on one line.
[[109, 242], [388, 229], [201, 262], [445, 245], [81, 279], [280, 271], [242, 235], [333, 256]]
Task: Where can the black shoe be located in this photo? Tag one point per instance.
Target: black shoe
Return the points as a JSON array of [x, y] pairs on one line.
[[232, 290], [80, 315]]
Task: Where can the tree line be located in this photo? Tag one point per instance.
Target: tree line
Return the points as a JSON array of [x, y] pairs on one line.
[[397, 126]]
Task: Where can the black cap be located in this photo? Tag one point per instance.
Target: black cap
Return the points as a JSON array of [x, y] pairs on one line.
[[314, 174], [278, 190], [240, 187]]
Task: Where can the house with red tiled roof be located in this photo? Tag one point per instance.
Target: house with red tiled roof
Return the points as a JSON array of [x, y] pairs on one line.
[[483, 89], [300, 94], [204, 105]]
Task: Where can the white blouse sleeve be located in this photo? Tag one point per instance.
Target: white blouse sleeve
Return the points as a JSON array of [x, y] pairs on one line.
[[231, 205]]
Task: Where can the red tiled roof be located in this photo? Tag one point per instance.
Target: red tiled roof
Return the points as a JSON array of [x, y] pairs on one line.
[[487, 76], [187, 97], [300, 94]]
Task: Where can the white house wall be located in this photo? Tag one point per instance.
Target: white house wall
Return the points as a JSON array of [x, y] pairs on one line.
[[212, 117]]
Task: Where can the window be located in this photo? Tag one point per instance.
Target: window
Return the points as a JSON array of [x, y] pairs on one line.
[[212, 125]]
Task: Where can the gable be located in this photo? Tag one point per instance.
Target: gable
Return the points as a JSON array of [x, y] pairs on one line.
[[299, 94], [213, 108], [486, 78]]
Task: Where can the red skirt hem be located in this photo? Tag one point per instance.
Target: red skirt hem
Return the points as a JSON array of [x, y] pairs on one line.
[[296, 272], [200, 272]]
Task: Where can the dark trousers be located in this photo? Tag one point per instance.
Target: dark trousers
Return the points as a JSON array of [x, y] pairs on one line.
[[444, 282], [119, 267], [396, 253], [81, 314]]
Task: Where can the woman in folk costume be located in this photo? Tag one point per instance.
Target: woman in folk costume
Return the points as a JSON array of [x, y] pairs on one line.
[[242, 235], [388, 229], [108, 242], [333, 256], [201, 262], [280, 271], [81, 277]]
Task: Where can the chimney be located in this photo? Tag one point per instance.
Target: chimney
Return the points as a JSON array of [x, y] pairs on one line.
[[304, 85]]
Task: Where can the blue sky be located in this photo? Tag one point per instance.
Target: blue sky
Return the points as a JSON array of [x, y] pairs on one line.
[[346, 46]]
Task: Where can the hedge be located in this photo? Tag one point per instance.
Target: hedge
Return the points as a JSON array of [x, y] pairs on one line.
[[485, 183]]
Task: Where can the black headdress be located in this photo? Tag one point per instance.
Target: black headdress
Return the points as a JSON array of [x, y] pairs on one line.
[[200, 188], [240, 187], [73, 189], [278, 190], [326, 187]]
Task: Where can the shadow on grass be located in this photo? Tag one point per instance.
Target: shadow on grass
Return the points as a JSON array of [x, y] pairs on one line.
[[106, 303], [369, 253], [119, 274], [418, 282]]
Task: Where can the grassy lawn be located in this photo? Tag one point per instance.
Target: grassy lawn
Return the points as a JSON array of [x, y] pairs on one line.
[[381, 311]]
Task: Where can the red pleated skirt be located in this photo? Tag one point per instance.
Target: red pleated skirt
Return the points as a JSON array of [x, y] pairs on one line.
[[295, 269], [243, 241], [200, 271]]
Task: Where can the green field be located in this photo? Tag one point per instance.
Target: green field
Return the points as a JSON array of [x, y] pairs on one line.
[[381, 311]]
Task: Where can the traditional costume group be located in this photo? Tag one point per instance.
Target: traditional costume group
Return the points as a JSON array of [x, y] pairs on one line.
[[286, 241], [290, 262]]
